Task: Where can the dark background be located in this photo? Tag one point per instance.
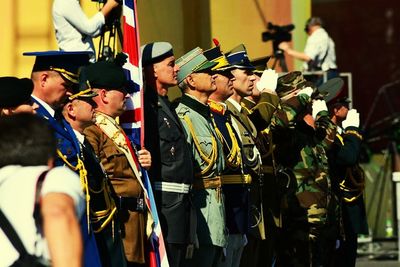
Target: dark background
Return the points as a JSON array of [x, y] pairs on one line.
[[367, 39]]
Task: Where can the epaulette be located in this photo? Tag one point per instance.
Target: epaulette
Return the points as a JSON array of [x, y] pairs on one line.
[[216, 107]]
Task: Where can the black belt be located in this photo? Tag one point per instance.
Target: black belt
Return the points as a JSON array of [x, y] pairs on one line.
[[131, 203]]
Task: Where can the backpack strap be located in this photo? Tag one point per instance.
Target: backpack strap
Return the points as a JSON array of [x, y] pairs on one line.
[[37, 216], [11, 234]]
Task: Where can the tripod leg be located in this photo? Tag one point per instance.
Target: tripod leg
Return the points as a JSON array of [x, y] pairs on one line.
[[282, 63]]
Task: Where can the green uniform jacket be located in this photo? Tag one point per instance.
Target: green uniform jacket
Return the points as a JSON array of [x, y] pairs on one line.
[[209, 203]]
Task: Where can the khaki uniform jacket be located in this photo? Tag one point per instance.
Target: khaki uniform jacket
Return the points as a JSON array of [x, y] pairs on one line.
[[125, 184]]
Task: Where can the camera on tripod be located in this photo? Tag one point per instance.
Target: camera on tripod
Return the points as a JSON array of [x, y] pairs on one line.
[[110, 31], [277, 34]]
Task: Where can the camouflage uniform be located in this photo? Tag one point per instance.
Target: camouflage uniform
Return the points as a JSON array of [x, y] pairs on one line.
[[310, 215]]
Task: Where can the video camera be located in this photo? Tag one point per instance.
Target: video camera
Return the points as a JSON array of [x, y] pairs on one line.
[[277, 34]]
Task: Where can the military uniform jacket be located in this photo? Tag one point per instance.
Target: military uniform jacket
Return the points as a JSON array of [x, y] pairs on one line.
[[274, 186], [125, 184], [248, 135], [211, 226], [165, 138], [306, 148], [103, 209], [68, 145], [236, 195], [344, 153], [65, 137]]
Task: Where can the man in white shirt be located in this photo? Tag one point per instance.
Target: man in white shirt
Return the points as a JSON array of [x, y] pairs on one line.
[[319, 49], [30, 147], [74, 30]]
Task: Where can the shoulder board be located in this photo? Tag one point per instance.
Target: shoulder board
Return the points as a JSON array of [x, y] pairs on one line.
[[216, 107]]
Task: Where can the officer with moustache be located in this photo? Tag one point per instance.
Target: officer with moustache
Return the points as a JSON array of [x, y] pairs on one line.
[[172, 168]]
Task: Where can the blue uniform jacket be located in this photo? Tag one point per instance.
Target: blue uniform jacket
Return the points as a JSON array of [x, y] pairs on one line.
[[68, 144]]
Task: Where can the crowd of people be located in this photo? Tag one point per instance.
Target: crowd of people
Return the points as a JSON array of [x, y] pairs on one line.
[[248, 167]]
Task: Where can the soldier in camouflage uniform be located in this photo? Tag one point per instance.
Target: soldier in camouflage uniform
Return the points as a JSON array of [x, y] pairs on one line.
[[301, 141], [197, 84]]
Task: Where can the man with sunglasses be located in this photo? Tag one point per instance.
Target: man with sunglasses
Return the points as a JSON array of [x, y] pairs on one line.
[[54, 75], [118, 155]]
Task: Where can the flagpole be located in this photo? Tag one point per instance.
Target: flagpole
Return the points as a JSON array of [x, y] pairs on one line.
[[140, 75]]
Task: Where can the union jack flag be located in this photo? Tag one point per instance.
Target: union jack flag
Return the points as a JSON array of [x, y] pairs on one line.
[[132, 122]]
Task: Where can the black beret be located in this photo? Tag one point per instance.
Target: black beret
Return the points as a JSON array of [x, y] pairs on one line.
[[103, 74], [14, 91]]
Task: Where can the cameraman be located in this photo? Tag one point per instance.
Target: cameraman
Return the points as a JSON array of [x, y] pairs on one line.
[[319, 53], [74, 30]]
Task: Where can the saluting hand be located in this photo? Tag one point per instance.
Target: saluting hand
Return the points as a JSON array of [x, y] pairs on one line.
[[144, 158]]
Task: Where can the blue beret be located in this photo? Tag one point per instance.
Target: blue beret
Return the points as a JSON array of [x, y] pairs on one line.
[[155, 52], [65, 63], [238, 57], [191, 62], [14, 91]]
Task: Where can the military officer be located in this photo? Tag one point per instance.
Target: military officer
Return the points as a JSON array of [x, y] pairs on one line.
[[15, 96], [309, 220], [172, 168], [260, 107], [347, 178], [118, 155], [54, 74], [244, 84], [235, 178], [197, 83], [101, 209]]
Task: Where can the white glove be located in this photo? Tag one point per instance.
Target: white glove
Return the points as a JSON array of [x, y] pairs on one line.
[[268, 80], [317, 106], [306, 91], [352, 119]]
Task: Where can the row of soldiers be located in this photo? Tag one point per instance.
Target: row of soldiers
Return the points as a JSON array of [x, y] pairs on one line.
[[247, 169]]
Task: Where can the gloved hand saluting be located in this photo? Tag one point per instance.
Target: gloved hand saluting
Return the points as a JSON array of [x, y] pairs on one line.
[[268, 80], [352, 119], [317, 106], [306, 91]]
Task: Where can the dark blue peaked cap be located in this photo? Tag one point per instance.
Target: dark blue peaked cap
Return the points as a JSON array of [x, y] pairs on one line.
[[238, 58], [65, 63]]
